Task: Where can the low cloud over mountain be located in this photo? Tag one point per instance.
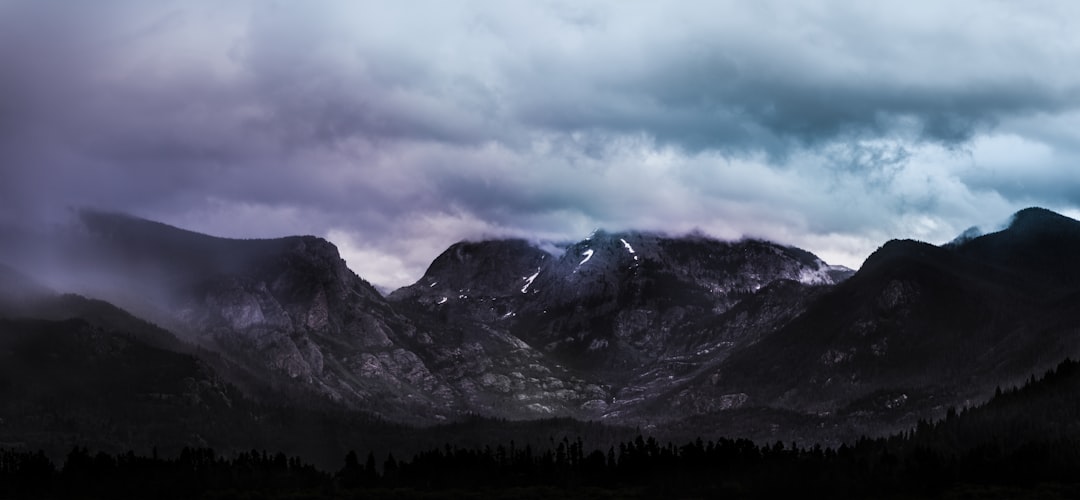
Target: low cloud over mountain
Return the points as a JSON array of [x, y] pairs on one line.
[[400, 129]]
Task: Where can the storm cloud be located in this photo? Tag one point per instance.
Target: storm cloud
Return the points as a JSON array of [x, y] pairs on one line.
[[395, 129]]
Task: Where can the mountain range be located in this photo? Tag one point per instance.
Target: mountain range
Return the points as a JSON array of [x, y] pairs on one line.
[[750, 338]]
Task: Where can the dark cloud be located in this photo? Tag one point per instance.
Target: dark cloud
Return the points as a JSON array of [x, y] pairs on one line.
[[399, 129]]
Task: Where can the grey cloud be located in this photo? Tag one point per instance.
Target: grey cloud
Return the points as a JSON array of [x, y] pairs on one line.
[[825, 123], [684, 104], [1057, 184]]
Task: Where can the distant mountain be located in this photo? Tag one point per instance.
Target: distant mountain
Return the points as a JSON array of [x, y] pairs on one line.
[[500, 328], [632, 313], [919, 328], [629, 328], [67, 380], [286, 308], [22, 297], [1040, 249]]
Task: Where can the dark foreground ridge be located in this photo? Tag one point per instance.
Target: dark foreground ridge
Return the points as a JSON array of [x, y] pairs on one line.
[[995, 449]]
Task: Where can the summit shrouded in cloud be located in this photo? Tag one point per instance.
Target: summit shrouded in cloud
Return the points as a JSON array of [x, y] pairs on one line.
[[397, 129]]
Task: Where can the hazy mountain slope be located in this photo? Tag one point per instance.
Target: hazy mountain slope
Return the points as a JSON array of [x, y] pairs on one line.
[[920, 327], [1039, 248], [629, 327], [500, 328], [290, 306], [65, 380]]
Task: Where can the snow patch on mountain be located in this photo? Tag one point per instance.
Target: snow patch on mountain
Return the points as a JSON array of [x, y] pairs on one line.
[[629, 248], [529, 281], [588, 255]]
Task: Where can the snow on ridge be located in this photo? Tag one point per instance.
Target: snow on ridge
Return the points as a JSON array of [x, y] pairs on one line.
[[529, 281], [628, 248], [588, 255], [818, 276], [441, 301]]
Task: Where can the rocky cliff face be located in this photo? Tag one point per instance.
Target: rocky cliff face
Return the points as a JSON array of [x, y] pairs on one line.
[[499, 328], [288, 310], [616, 318], [305, 314], [628, 327], [619, 300], [920, 328]]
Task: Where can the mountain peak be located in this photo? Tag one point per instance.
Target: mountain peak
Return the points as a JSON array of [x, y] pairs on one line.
[[1032, 225], [123, 226], [143, 239], [1036, 218], [1039, 245], [481, 268], [964, 237], [603, 235]]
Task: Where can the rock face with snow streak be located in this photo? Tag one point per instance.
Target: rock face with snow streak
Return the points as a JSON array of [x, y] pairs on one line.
[[918, 329], [631, 314], [629, 327], [639, 295], [599, 329], [289, 311]]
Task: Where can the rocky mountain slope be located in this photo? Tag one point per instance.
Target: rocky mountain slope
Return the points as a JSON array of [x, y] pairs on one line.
[[634, 328], [288, 310], [498, 328], [633, 313], [920, 328]]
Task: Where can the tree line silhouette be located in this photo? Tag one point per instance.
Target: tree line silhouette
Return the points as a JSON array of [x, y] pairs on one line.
[[1022, 442]]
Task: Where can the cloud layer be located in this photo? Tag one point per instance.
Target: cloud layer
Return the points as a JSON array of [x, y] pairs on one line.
[[396, 129]]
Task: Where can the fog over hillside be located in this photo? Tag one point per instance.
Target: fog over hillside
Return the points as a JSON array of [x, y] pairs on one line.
[[397, 130]]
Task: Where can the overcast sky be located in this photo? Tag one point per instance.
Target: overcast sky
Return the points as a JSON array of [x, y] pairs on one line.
[[397, 128]]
